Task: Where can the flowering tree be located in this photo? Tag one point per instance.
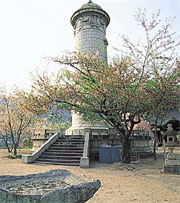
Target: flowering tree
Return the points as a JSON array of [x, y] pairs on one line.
[[141, 83], [15, 119], [158, 56]]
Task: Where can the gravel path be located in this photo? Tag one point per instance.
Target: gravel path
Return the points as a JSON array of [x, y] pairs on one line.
[[140, 182]]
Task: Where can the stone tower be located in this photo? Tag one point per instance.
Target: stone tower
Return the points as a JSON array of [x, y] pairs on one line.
[[89, 22]]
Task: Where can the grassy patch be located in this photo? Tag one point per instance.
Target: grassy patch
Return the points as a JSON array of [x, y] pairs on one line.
[[27, 147], [12, 156]]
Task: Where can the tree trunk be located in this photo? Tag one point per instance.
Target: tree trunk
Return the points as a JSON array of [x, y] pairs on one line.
[[15, 149], [7, 146], [126, 155], [155, 140], [154, 150]]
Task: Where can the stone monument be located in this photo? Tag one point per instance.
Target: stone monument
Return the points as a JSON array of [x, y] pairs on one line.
[[172, 161], [89, 22]]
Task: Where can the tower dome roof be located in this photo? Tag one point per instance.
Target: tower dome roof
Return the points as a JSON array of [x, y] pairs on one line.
[[90, 4], [90, 7]]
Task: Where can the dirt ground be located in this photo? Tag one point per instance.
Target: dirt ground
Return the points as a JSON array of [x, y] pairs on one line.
[[138, 182]]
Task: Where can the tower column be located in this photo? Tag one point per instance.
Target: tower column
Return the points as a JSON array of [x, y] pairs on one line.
[[89, 22]]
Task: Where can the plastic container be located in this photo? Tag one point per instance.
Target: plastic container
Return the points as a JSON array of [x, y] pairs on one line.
[[109, 154]]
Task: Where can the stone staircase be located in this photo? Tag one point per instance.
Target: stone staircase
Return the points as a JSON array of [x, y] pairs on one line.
[[67, 150]]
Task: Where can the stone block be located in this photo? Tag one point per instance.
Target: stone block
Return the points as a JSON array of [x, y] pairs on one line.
[[94, 144], [94, 150], [82, 132], [95, 133], [94, 137], [115, 142], [109, 142], [136, 144], [110, 137], [112, 131], [172, 162], [60, 186], [101, 142], [141, 143], [84, 162], [171, 169], [100, 137], [76, 132], [104, 132]]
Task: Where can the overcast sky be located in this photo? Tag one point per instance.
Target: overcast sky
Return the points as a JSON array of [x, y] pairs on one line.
[[30, 29]]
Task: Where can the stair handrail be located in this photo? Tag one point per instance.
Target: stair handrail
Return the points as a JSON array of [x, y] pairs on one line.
[[32, 158], [86, 145], [84, 162]]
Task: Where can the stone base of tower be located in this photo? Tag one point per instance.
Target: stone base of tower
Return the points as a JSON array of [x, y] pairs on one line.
[[81, 130], [79, 125], [101, 135], [109, 138]]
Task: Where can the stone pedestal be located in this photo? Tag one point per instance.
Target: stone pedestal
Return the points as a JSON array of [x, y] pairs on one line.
[[84, 162], [172, 162], [172, 166]]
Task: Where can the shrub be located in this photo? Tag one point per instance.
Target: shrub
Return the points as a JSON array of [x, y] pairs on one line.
[[27, 143], [12, 156]]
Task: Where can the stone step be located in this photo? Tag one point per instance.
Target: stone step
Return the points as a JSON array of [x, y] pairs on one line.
[[66, 148], [59, 160], [56, 163], [68, 142], [71, 138], [67, 145], [60, 157], [64, 153], [71, 141]]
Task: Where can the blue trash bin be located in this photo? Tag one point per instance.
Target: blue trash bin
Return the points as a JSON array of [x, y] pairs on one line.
[[115, 155], [109, 154], [105, 155]]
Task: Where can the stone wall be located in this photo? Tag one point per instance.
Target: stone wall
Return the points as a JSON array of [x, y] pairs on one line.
[[140, 142], [99, 138], [41, 137]]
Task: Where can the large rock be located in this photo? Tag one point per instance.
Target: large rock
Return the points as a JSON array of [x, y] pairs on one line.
[[56, 186]]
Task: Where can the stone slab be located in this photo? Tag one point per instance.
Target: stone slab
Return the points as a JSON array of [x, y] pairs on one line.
[[58, 186], [171, 169], [172, 162]]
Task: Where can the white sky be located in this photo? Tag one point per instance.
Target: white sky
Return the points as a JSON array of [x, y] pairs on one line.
[[30, 29]]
